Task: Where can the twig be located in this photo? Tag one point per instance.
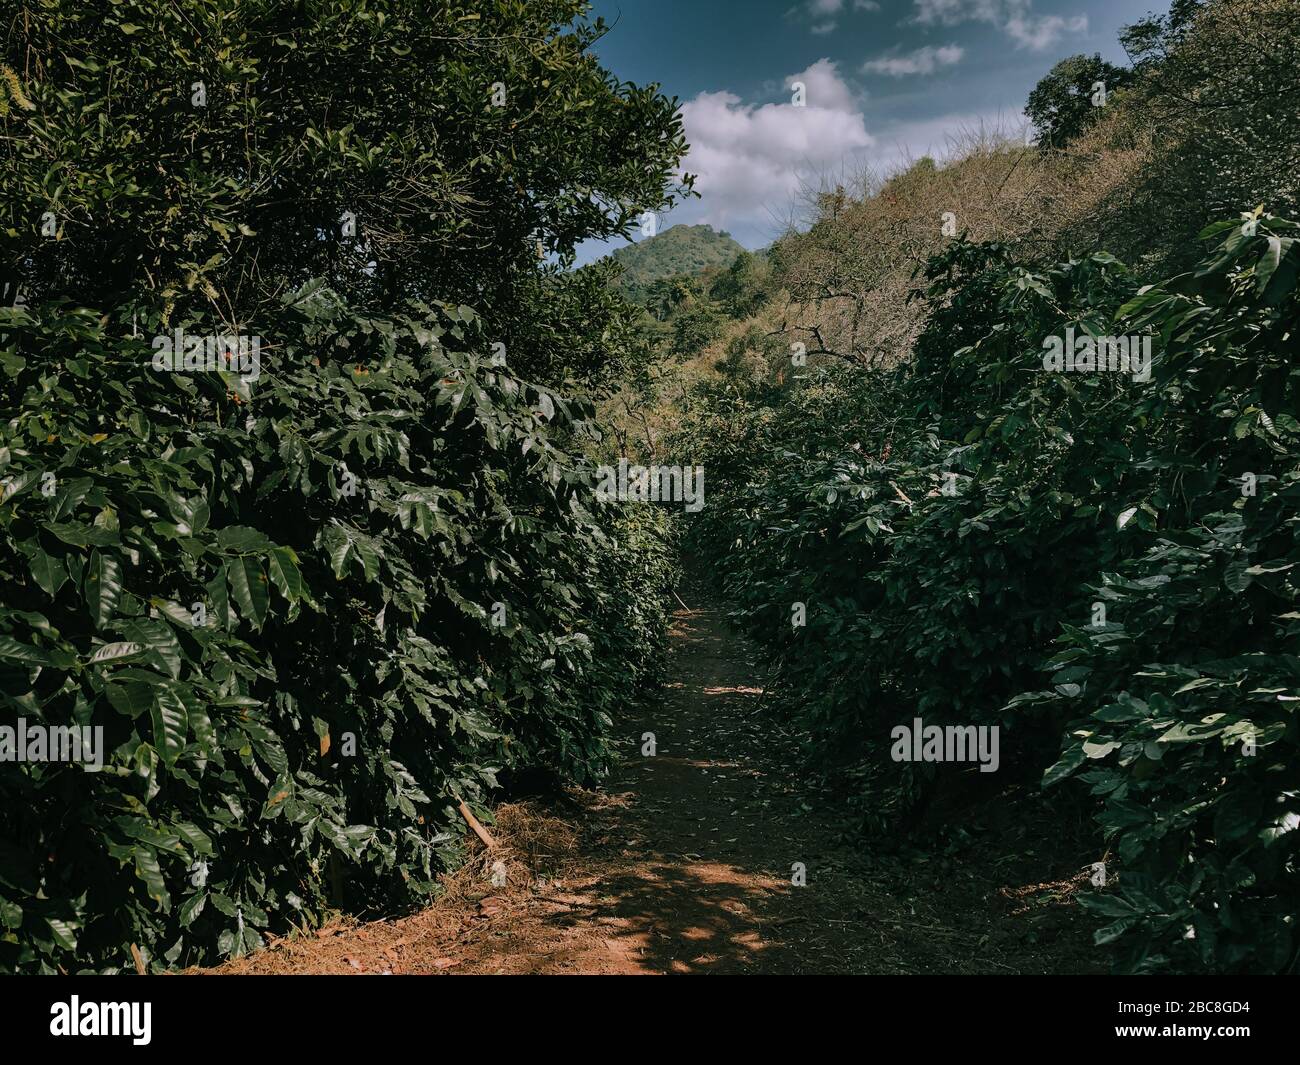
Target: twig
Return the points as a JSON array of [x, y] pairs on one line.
[[479, 830], [901, 494]]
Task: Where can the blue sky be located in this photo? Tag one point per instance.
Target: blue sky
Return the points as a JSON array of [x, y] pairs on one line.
[[885, 80]]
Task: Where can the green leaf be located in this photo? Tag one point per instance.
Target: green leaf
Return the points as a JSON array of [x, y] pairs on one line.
[[248, 588], [112, 652], [78, 534], [131, 699], [285, 575], [173, 611], [1068, 763], [1236, 575], [159, 641], [70, 496], [170, 723], [11, 648], [220, 602], [369, 557], [200, 842], [346, 544], [340, 549], [148, 870], [48, 572], [240, 538], [65, 934], [191, 908], [1269, 262], [103, 587]]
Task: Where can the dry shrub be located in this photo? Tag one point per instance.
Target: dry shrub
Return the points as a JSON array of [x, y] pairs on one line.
[[848, 278]]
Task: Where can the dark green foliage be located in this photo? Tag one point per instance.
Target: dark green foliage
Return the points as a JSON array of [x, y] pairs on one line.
[[1212, 116], [1149, 40], [312, 611], [696, 324], [326, 615], [951, 525], [381, 109], [742, 288], [581, 331], [1067, 101], [678, 250], [1192, 686]]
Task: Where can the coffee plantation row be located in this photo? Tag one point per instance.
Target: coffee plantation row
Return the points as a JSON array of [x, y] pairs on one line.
[[294, 681], [296, 449], [1104, 565]]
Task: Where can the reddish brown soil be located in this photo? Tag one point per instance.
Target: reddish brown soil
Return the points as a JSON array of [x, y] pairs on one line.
[[683, 862]]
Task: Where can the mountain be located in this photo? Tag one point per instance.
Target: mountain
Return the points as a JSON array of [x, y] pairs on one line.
[[679, 250]]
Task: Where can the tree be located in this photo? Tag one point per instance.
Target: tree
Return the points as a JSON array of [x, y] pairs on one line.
[[1150, 40], [697, 325], [741, 288], [203, 158], [1070, 98], [1214, 87]]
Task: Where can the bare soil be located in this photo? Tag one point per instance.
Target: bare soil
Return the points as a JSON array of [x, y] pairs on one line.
[[684, 863]]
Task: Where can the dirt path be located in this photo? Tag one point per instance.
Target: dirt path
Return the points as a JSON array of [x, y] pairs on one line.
[[683, 863]]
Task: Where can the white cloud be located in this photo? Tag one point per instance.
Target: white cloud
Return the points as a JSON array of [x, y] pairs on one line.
[[823, 13], [922, 61], [1013, 17], [825, 87], [951, 12], [1037, 32], [750, 161], [753, 163]]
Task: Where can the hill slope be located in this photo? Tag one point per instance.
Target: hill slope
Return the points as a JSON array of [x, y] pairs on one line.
[[679, 250]]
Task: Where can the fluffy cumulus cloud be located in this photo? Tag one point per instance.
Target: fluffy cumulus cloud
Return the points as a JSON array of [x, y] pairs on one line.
[[922, 61], [750, 161], [1014, 17], [824, 87]]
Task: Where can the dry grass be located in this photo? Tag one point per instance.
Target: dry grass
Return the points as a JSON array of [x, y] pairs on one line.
[[850, 275]]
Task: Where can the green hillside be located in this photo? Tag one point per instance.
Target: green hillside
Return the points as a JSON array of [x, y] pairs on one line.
[[679, 250]]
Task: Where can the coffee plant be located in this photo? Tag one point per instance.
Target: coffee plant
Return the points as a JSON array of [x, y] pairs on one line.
[[326, 574], [311, 613], [957, 526]]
